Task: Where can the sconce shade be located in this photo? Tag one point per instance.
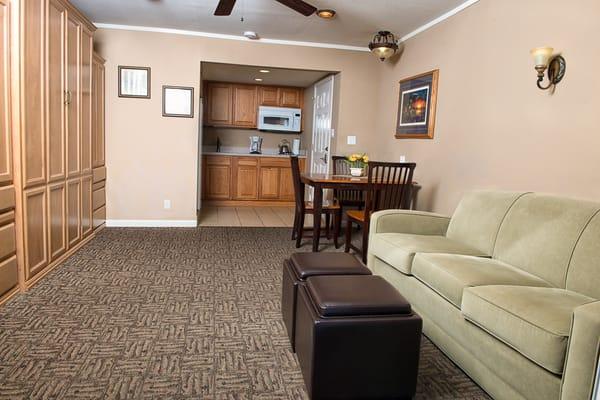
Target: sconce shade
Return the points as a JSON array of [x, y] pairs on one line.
[[541, 55]]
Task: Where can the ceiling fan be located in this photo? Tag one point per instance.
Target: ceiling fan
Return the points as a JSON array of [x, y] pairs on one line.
[[225, 6]]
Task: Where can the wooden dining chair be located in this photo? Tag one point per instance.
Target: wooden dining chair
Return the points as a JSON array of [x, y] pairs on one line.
[[345, 197], [329, 209], [389, 187]]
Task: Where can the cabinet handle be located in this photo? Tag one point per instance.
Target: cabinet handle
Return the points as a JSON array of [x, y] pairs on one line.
[[67, 97]]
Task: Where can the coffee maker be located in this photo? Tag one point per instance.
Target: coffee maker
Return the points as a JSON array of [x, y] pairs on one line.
[[255, 144]]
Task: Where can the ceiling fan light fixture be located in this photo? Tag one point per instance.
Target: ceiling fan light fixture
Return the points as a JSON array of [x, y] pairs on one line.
[[384, 45], [326, 13], [251, 35]]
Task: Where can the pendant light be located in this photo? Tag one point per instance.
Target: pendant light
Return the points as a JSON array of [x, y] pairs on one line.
[[383, 45]]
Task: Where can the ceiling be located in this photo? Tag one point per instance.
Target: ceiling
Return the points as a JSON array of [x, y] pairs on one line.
[[247, 73], [355, 23]]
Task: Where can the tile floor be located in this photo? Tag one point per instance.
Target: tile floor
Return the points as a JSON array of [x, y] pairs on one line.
[[249, 216]]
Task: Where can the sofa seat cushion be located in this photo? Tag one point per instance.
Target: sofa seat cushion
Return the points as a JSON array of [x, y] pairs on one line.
[[450, 274], [399, 249], [534, 321]]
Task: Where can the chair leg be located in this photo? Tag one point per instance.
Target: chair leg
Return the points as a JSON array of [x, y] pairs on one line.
[[295, 226], [300, 230], [348, 235], [365, 242], [337, 222], [328, 226]]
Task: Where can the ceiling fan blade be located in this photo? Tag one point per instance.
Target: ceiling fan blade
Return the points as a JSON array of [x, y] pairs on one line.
[[224, 7], [300, 6]]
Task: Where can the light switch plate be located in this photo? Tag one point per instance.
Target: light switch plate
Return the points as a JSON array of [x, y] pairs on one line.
[[351, 139], [167, 204], [403, 158]]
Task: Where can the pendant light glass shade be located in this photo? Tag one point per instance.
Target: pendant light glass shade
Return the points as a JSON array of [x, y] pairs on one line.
[[383, 45]]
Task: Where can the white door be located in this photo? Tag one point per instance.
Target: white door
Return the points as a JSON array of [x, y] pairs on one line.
[[320, 155]]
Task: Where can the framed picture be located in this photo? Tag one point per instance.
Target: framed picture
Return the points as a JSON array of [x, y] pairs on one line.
[[134, 82], [178, 101], [416, 106]]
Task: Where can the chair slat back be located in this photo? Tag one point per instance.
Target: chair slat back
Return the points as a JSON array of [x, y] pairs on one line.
[[390, 186], [298, 185], [345, 196]]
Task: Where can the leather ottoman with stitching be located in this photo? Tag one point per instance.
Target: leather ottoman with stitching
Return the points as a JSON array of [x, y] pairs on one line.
[[300, 266], [356, 338]]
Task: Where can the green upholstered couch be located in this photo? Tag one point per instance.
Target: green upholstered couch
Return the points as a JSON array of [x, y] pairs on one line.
[[508, 288]]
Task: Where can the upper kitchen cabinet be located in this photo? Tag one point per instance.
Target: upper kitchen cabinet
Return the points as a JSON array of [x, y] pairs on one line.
[[268, 96], [219, 104], [244, 106], [291, 97]]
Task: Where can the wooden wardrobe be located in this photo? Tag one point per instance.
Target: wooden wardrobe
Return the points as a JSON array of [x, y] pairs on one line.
[[57, 138]]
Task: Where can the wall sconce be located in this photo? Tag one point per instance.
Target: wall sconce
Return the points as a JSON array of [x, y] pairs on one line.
[[556, 66]]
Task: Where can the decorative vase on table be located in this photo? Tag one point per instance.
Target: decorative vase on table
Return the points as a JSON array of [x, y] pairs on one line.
[[357, 164]]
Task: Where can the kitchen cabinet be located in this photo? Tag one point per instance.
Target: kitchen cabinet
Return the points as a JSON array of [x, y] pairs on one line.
[[239, 180], [244, 106], [98, 151], [236, 105]]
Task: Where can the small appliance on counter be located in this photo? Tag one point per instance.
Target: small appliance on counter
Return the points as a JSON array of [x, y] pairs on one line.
[[255, 144], [296, 146], [284, 147]]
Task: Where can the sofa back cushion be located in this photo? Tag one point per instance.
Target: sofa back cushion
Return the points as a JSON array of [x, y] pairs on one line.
[[478, 217], [539, 234], [583, 275]]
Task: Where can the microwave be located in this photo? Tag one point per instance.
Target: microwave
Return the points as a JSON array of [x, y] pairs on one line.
[[279, 119]]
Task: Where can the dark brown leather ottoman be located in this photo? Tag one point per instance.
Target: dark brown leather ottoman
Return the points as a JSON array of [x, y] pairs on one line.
[[356, 338], [302, 265]]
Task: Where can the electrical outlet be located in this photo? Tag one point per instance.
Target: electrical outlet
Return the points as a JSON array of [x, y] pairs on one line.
[[351, 139], [403, 158], [167, 204]]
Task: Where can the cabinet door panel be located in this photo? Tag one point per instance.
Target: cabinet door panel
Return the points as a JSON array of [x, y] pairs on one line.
[[268, 96], [35, 228], [290, 97], [269, 183], [86, 101], [73, 211], [5, 142], [8, 275], [86, 205], [57, 221], [97, 114], [245, 178], [34, 156], [73, 97], [217, 182], [286, 185], [219, 104], [244, 106], [99, 217], [56, 91]]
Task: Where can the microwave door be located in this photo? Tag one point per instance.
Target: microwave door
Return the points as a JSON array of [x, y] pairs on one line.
[[280, 122]]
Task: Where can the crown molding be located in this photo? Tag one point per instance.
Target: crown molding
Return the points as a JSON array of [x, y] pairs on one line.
[[439, 19], [229, 37], [412, 34]]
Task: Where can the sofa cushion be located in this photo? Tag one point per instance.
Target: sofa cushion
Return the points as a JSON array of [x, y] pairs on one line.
[[398, 249], [583, 275], [450, 274], [534, 321], [539, 234], [478, 217]]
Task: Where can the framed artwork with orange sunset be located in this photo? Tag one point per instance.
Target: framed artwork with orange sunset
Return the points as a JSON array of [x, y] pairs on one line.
[[416, 106]]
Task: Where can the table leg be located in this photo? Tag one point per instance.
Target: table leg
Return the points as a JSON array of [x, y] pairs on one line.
[[318, 204]]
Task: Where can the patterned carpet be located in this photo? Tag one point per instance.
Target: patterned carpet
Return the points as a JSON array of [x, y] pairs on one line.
[[169, 313]]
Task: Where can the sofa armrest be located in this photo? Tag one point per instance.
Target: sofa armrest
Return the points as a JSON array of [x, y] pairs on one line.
[[408, 221], [581, 365]]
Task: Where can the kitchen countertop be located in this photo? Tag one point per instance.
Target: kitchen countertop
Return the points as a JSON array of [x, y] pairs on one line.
[[235, 154]]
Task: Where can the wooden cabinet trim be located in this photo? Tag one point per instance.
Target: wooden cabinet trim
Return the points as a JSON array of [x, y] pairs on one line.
[[35, 227], [7, 198], [7, 240], [73, 211], [99, 174], [57, 224], [99, 217], [6, 172], [7, 217], [86, 206], [9, 276]]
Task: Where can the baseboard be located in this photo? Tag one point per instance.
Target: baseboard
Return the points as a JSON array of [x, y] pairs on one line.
[[152, 223]]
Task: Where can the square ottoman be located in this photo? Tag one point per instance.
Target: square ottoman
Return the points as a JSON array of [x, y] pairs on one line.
[[356, 338], [302, 265]]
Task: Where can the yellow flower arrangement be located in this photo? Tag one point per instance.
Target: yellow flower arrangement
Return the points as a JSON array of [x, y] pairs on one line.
[[357, 160]]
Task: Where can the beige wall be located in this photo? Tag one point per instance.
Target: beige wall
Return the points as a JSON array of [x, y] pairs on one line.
[[151, 158], [494, 128]]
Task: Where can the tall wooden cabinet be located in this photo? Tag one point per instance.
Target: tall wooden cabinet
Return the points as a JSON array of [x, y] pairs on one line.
[[8, 258], [98, 201], [55, 146]]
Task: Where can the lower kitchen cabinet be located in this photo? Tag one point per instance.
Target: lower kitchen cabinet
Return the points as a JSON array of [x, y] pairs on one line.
[[244, 173]]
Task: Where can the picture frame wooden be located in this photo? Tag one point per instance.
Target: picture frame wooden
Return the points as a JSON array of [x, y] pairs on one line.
[[178, 101], [417, 104], [134, 82]]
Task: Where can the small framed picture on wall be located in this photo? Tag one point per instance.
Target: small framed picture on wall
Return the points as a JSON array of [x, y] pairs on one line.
[[416, 106], [134, 82], [178, 101]]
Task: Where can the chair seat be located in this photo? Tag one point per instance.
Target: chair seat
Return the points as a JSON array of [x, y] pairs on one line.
[[450, 274], [357, 215], [534, 321], [309, 206], [399, 249]]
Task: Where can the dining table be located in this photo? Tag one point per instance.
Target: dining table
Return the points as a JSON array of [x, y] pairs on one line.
[[321, 181]]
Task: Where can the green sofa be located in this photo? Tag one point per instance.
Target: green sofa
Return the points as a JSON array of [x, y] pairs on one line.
[[508, 288]]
